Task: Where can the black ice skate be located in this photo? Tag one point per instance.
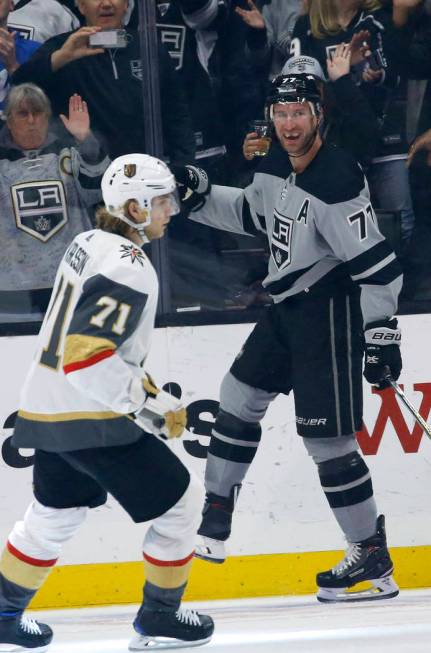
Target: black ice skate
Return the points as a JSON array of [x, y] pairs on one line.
[[368, 560], [216, 526], [23, 634], [159, 629]]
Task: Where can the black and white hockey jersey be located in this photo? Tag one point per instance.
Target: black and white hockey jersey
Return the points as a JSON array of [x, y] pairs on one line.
[[86, 375], [320, 225], [39, 20]]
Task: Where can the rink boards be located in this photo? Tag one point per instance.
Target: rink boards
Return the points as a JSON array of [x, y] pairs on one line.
[[283, 531]]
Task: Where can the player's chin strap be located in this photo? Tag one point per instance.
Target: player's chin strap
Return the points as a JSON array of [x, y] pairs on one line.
[[140, 228]]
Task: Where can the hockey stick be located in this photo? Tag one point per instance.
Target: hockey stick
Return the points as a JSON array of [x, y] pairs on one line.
[[418, 417]]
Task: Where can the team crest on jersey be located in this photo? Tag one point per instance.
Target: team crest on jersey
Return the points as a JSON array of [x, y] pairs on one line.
[[281, 239], [130, 170], [132, 252], [174, 38], [39, 208]]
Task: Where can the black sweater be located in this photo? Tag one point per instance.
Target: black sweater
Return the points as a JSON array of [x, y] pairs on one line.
[[110, 84]]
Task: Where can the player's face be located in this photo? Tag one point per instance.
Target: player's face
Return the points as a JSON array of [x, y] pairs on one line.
[[294, 125], [107, 14], [161, 212], [28, 127]]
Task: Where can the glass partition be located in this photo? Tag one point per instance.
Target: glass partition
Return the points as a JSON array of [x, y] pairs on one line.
[[208, 276]]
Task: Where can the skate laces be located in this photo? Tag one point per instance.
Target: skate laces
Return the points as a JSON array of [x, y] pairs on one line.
[[352, 556], [30, 626], [187, 616]]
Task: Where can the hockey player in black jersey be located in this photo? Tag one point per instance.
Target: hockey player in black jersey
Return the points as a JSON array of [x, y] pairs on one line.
[[334, 281], [96, 419]]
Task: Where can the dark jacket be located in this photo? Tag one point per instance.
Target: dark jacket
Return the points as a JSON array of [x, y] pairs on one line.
[[111, 85]]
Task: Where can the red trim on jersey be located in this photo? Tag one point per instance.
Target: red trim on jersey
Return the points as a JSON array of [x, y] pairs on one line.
[[27, 559], [168, 563], [80, 365]]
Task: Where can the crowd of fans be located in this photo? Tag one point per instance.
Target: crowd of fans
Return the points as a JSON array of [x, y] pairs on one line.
[[372, 59]]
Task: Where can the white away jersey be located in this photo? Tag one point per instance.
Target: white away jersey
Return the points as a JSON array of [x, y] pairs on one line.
[[39, 20], [86, 374]]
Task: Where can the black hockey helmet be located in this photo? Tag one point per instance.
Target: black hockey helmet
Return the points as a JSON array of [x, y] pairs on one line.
[[293, 88]]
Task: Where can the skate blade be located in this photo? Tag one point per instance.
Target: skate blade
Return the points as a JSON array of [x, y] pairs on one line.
[[211, 550], [376, 590], [148, 643], [206, 555], [14, 648]]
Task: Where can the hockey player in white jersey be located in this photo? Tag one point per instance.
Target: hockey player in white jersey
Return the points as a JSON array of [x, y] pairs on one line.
[[335, 282], [96, 418]]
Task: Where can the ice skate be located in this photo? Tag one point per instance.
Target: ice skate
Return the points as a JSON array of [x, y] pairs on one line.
[[159, 629], [22, 634], [368, 560], [211, 550]]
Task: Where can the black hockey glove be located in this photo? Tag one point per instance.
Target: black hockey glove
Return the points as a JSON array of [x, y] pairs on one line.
[[193, 184], [382, 351]]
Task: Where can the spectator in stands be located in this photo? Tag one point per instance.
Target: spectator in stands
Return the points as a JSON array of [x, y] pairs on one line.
[[14, 50], [39, 20], [270, 32], [331, 22], [47, 183], [110, 82], [208, 52]]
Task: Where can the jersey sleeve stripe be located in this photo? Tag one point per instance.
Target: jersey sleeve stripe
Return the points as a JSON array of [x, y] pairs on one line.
[[375, 268], [80, 365], [369, 258], [79, 348], [385, 276]]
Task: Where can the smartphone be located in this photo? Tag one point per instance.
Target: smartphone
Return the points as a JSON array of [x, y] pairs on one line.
[[109, 39]]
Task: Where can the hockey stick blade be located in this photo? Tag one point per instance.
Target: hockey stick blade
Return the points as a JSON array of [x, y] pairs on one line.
[[418, 417]]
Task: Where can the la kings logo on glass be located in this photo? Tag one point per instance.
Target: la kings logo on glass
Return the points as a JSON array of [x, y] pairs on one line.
[[39, 208], [281, 239]]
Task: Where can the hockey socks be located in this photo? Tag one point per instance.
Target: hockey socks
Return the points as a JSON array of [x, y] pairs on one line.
[[20, 578]]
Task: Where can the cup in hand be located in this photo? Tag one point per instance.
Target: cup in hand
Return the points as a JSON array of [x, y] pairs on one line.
[[263, 130]]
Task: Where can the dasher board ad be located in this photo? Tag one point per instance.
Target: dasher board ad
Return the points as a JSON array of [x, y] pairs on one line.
[[281, 508]]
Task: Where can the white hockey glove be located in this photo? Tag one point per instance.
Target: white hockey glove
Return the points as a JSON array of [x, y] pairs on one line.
[[162, 414]]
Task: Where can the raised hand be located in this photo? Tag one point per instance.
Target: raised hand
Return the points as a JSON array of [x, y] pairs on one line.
[[252, 17], [7, 50], [338, 64], [76, 47], [359, 46], [371, 76], [422, 142], [78, 122]]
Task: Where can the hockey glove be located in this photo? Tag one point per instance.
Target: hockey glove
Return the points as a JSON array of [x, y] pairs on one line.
[[162, 413], [382, 351], [193, 184]]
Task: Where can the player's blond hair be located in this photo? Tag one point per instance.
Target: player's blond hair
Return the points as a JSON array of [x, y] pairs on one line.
[[324, 16], [108, 222]]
